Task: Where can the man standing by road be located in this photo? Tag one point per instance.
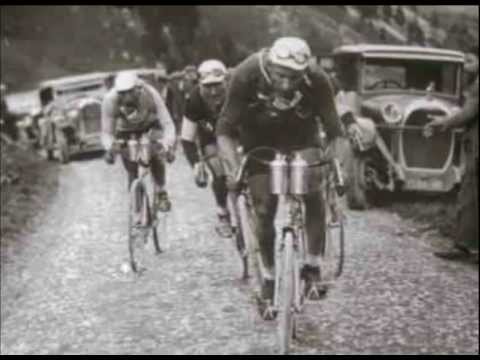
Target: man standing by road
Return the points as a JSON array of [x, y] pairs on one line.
[[466, 242]]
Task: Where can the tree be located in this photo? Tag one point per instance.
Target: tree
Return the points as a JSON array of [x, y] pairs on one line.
[[400, 16], [434, 20], [368, 11], [387, 11]]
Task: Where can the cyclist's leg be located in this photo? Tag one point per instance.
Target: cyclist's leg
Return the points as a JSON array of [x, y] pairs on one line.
[[219, 189], [130, 166], [158, 169], [315, 226], [265, 206]]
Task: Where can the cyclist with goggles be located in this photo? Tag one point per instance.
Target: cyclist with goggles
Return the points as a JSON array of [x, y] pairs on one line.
[[133, 107], [198, 134], [277, 99]]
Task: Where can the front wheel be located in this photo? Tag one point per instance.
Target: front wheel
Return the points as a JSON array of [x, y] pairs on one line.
[[137, 229], [285, 296]]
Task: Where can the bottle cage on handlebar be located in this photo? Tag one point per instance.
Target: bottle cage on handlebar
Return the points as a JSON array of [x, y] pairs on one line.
[[239, 178], [122, 143]]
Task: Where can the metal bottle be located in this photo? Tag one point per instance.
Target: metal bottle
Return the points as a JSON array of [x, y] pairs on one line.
[[278, 175], [132, 149], [298, 175], [145, 149]]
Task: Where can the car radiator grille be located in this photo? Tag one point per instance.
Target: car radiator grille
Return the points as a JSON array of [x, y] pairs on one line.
[[92, 118], [424, 152]]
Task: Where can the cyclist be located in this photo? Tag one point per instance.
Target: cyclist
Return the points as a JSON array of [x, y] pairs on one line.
[[276, 99], [134, 107], [199, 123]]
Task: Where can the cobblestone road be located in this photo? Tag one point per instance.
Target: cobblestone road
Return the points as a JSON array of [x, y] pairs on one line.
[[64, 289]]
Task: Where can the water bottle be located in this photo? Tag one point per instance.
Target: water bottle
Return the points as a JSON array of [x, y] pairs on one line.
[[132, 149], [145, 150], [278, 175], [298, 175]]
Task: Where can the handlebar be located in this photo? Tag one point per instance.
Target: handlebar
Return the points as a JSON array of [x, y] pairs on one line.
[[330, 160]]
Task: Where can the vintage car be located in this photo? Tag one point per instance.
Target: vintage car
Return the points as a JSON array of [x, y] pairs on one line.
[[393, 91], [71, 120], [25, 106]]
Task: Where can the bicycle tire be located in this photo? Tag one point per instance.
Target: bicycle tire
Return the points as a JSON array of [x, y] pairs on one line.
[[286, 295], [136, 202]]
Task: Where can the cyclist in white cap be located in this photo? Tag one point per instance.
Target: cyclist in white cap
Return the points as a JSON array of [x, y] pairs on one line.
[[134, 107], [276, 98], [198, 134]]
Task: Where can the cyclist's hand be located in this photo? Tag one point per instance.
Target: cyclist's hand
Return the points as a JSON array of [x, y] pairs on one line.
[[437, 122], [170, 155], [200, 174], [109, 157]]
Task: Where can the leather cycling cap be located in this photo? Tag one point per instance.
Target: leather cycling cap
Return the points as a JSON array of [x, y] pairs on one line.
[[290, 52], [212, 71]]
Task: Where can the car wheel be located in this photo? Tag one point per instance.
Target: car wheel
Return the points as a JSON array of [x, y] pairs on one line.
[[356, 187], [64, 155]]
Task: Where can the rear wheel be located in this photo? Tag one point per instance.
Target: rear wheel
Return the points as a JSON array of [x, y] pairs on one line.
[[285, 296]]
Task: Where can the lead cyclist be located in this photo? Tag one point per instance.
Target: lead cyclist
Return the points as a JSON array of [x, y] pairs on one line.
[[277, 99]]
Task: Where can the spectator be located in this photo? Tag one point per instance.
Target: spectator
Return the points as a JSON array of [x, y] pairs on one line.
[[7, 119], [466, 242], [170, 96]]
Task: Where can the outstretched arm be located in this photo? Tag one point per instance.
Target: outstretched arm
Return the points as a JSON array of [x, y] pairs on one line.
[[188, 136]]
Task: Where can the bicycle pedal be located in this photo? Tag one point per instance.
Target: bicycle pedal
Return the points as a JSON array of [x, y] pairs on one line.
[[269, 314], [316, 291]]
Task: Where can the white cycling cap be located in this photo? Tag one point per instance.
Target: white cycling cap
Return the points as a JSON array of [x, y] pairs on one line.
[[290, 52], [126, 80], [212, 71]]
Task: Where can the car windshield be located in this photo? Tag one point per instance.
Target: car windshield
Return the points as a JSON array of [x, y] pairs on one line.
[[80, 89], [416, 75]]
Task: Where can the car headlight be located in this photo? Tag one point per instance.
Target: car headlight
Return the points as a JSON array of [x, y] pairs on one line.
[[72, 114], [391, 113]]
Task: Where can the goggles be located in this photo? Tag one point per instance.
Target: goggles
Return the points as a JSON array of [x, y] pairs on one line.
[[215, 75], [285, 53]]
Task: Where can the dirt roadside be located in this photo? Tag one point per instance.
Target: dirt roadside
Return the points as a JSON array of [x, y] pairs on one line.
[[27, 183]]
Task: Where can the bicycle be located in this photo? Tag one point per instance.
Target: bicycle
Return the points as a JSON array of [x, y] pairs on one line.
[[291, 250], [141, 218]]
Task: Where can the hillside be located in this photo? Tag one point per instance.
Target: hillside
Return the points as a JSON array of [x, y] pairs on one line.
[[40, 42]]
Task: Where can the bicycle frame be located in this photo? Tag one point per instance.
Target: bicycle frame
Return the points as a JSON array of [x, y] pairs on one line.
[[292, 246], [294, 206]]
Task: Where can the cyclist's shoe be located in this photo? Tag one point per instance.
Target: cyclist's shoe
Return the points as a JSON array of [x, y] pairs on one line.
[[163, 203], [314, 290], [265, 301], [223, 227]]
